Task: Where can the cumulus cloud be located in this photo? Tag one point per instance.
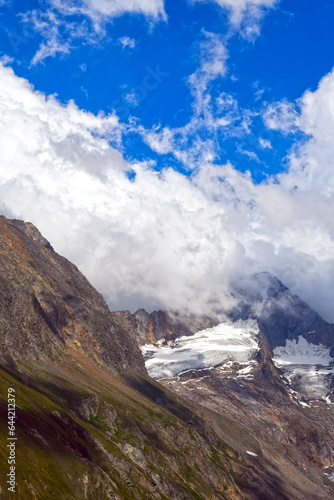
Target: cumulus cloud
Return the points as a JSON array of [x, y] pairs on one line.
[[163, 239], [63, 23], [311, 170], [245, 15]]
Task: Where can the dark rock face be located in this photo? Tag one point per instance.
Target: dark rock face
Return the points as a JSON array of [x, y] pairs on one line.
[[47, 307], [150, 328], [281, 315], [286, 317]]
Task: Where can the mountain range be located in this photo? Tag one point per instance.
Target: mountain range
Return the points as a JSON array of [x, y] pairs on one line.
[[161, 405]]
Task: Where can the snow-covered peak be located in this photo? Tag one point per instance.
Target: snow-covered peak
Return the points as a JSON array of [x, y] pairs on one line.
[[252, 294]]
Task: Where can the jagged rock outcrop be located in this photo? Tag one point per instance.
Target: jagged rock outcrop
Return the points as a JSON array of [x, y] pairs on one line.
[[150, 328], [286, 404], [281, 315]]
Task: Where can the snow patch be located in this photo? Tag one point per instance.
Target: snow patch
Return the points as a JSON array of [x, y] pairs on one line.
[[251, 453], [236, 342], [300, 352], [304, 404], [307, 368], [246, 372]]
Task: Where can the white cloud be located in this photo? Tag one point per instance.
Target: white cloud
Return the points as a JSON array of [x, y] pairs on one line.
[[311, 165], [164, 239], [214, 114], [248, 154], [60, 31], [135, 97], [126, 41], [51, 48], [245, 15], [106, 8], [281, 115], [5, 59], [160, 141], [258, 90], [102, 10], [213, 57], [57, 34], [196, 142], [265, 143]]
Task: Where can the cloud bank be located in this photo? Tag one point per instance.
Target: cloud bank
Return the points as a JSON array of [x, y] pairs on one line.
[[166, 240]]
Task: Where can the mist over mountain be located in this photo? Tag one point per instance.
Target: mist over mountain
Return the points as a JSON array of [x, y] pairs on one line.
[[163, 240]]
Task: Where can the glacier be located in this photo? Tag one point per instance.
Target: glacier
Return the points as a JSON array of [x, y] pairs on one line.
[[212, 347], [307, 368]]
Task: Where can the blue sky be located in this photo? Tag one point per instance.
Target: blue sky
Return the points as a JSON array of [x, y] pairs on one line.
[[290, 55], [169, 147]]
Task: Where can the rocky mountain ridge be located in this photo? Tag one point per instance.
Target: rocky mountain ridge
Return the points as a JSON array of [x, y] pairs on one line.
[[92, 424], [281, 316], [48, 307], [269, 364], [149, 328]]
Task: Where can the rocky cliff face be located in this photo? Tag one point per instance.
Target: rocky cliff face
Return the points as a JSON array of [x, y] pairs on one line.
[[148, 328], [281, 315], [48, 308]]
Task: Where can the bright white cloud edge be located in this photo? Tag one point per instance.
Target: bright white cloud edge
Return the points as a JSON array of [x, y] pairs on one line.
[[167, 240]]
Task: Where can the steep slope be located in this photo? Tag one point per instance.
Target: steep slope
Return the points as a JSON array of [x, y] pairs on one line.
[[47, 307], [82, 431]]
